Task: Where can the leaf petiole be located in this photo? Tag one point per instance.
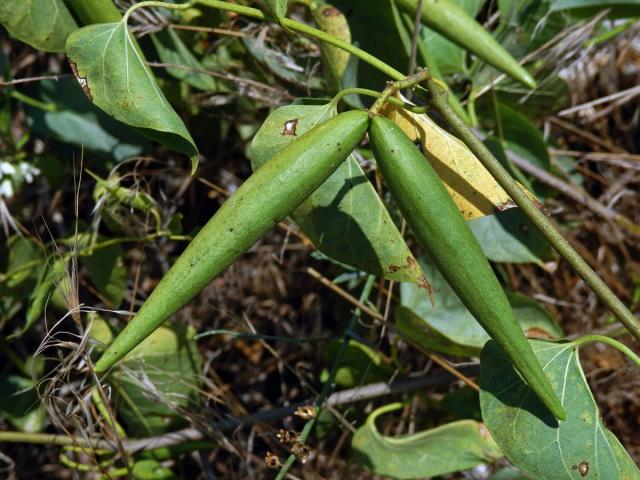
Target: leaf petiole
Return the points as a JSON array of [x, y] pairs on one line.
[[376, 94], [153, 3], [621, 347]]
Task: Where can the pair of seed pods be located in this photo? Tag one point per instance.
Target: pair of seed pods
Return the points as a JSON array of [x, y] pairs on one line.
[[293, 174]]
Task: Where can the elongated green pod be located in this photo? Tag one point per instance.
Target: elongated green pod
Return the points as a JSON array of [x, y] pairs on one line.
[[441, 230], [264, 199], [331, 20], [95, 11], [453, 22]]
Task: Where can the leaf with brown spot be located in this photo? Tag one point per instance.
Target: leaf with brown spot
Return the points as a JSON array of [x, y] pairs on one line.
[[111, 68], [579, 447], [290, 127]]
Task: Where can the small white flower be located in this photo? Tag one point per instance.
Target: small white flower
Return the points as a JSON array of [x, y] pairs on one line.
[[28, 171], [7, 168], [6, 188]]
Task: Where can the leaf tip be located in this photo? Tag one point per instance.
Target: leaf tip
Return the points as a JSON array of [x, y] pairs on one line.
[[194, 163]]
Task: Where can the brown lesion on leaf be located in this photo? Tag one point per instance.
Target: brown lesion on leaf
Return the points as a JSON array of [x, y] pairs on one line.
[[393, 268], [81, 80], [410, 266], [290, 127], [422, 280], [424, 283], [582, 468], [506, 205]]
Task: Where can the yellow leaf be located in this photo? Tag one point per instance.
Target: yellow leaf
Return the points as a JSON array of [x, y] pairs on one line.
[[474, 190]]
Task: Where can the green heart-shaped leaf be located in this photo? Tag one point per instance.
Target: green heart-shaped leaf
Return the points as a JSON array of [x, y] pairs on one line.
[[579, 447], [448, 327], [43, 24], [113, 73], [448, 448]]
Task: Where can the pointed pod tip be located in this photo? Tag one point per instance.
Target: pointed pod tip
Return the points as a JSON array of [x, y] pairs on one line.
[[102, 365], [107, 360], [556, 409], [527, 79], [194, 163]]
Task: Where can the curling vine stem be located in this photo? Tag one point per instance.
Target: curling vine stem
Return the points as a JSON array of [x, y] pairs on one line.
[[152, 3], [612, 343]]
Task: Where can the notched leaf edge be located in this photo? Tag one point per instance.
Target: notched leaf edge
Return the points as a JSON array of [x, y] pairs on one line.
[[81, 80]]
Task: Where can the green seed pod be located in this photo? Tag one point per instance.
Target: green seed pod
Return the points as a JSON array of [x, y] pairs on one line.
[[456, 24], [331, 20], [441, 230], [264, 199]]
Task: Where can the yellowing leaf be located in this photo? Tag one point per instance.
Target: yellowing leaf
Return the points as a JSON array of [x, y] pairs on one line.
[[472, 187]]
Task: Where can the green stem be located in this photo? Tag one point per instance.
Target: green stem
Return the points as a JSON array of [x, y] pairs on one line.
[[254, 336], [86, 467], [87, 251], [611, 342], [328, 387], [406, 23], [439, 102], [21, 97], [50, 439], [614, 32], [376, 94], [310, 31], [106, 413], [471, 108], [621, 347], [114, 241], [153, 3], [393, 88]]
